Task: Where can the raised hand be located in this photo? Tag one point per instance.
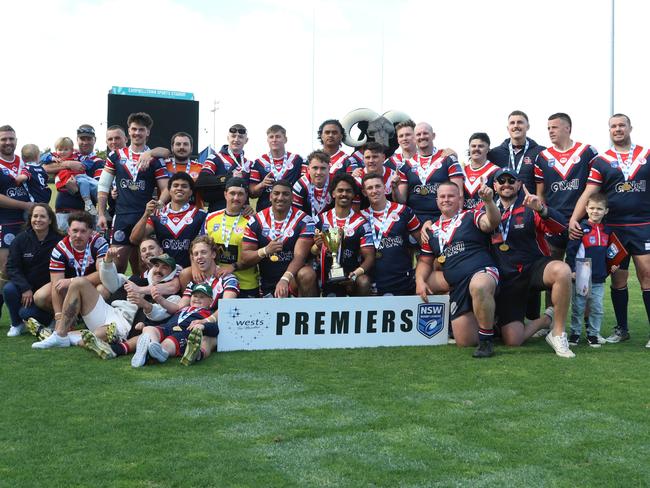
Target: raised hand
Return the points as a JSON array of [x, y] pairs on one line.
[[532, 201]]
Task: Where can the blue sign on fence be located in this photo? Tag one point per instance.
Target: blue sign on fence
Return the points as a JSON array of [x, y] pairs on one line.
[[151, 92]]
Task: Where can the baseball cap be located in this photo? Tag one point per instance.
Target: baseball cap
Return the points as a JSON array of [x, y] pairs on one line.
[[507, 171], [164, 258], [86, 130], [236, 182], [202, 288]]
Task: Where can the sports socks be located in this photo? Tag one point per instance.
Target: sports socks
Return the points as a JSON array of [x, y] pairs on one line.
[[620, 298], [646, 302], [485, 334]]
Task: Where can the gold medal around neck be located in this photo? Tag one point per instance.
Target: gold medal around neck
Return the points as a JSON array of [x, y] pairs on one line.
[[442, 258], [504, 247], [424, 191], [274, 258]]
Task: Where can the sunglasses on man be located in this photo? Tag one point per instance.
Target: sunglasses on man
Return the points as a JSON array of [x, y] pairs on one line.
[[502, 180], [234, 130]]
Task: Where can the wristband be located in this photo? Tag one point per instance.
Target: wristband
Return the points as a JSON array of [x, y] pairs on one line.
[[363, 271], [284, 278], [262, 252], [288, 273]]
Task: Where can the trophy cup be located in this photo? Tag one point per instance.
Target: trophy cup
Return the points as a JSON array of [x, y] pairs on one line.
[[333, 238]]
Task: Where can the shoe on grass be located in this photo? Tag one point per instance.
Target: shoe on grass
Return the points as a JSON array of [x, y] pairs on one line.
[[111, 333], [157, 352], [33, 326], [16, 330], [647, 344], [96, 345], [193, 347], [484, 350], [54, 340], [593, 341], [141, 349], [560, 345], [619, 335], [574, 339]]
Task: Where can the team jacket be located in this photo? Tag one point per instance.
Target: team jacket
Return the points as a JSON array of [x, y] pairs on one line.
[[592, 245]]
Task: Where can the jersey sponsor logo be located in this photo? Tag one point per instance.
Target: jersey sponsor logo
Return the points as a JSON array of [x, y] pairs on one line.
[[426, 189], [631, 187], [568, 185], [133, 185], [16, 192], [430, 320], [176, 244], [388, 242]]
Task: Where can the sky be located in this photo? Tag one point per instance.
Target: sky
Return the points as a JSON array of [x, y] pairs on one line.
[[461, 66]]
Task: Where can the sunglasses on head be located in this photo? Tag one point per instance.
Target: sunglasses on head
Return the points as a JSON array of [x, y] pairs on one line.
[[234, 130], [506, 179]]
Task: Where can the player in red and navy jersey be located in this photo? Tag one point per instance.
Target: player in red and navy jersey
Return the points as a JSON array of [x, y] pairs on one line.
[[135, 185], [623, 175], [561, 173], [477, 170], [172, 337], [460, 241], [405, 132], [278, 164], [229, 161], [278, 240], [310, 192], [176, 224], [395, 186], [357, 253], [77, 254], [518, 152], [391, 225], [525, 266], [14, 198], [426, 170], [331, 134]]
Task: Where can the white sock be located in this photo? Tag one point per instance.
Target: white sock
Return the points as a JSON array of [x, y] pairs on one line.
[[75, 338]]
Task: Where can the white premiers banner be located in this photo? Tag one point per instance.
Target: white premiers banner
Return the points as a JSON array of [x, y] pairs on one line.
[[314, 323]]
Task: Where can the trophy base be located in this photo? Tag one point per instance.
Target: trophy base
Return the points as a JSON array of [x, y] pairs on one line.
[[337, 279], [337, 275]]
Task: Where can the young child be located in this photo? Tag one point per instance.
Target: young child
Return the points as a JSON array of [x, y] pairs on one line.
[[38, 177], [64, 179], [189, 324], [592, 245]]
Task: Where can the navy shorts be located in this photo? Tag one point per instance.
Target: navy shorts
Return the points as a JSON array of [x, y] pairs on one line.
[[460, 299], [178, 337], [8, 233], [512, 300], [558, 241], [635, 239], [122, 227]]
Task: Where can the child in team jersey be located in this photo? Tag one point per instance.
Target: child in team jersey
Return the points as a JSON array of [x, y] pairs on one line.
[[594, 245], [38, 177], [172, 338], [64, 148]]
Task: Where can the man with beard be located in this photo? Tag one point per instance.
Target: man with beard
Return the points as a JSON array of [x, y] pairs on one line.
[[278, 240], [426, 170], [14, 198], [278, 164], [522, 256], [356, 254], [623, 175]]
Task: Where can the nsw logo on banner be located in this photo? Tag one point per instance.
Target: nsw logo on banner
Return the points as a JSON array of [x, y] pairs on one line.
[[430, 318]]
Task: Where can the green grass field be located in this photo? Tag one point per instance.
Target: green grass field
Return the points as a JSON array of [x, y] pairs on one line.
[[420, 416]]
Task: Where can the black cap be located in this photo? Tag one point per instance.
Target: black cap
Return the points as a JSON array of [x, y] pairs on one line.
[[506, 171], [86, 130]]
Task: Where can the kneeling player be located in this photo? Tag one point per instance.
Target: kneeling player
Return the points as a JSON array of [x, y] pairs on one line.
[[461, 242]]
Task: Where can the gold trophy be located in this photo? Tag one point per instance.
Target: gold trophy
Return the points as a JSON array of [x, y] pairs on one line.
[[333, 238]]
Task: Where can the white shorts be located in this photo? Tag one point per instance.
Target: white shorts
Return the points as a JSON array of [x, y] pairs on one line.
[[104, 314]]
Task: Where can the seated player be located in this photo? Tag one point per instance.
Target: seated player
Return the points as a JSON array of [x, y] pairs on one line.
[[460, 241], [356, 254], [278, 240], [171, 338]]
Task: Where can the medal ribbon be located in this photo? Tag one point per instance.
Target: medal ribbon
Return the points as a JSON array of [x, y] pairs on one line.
[[505, 230], [238, 166], [444, 236], [626, 167], [277, 175], [187, 165], [316, 205], [273, 233], [511, 162], [424, 174], [381, 228], [81, 270], [227, 234]]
